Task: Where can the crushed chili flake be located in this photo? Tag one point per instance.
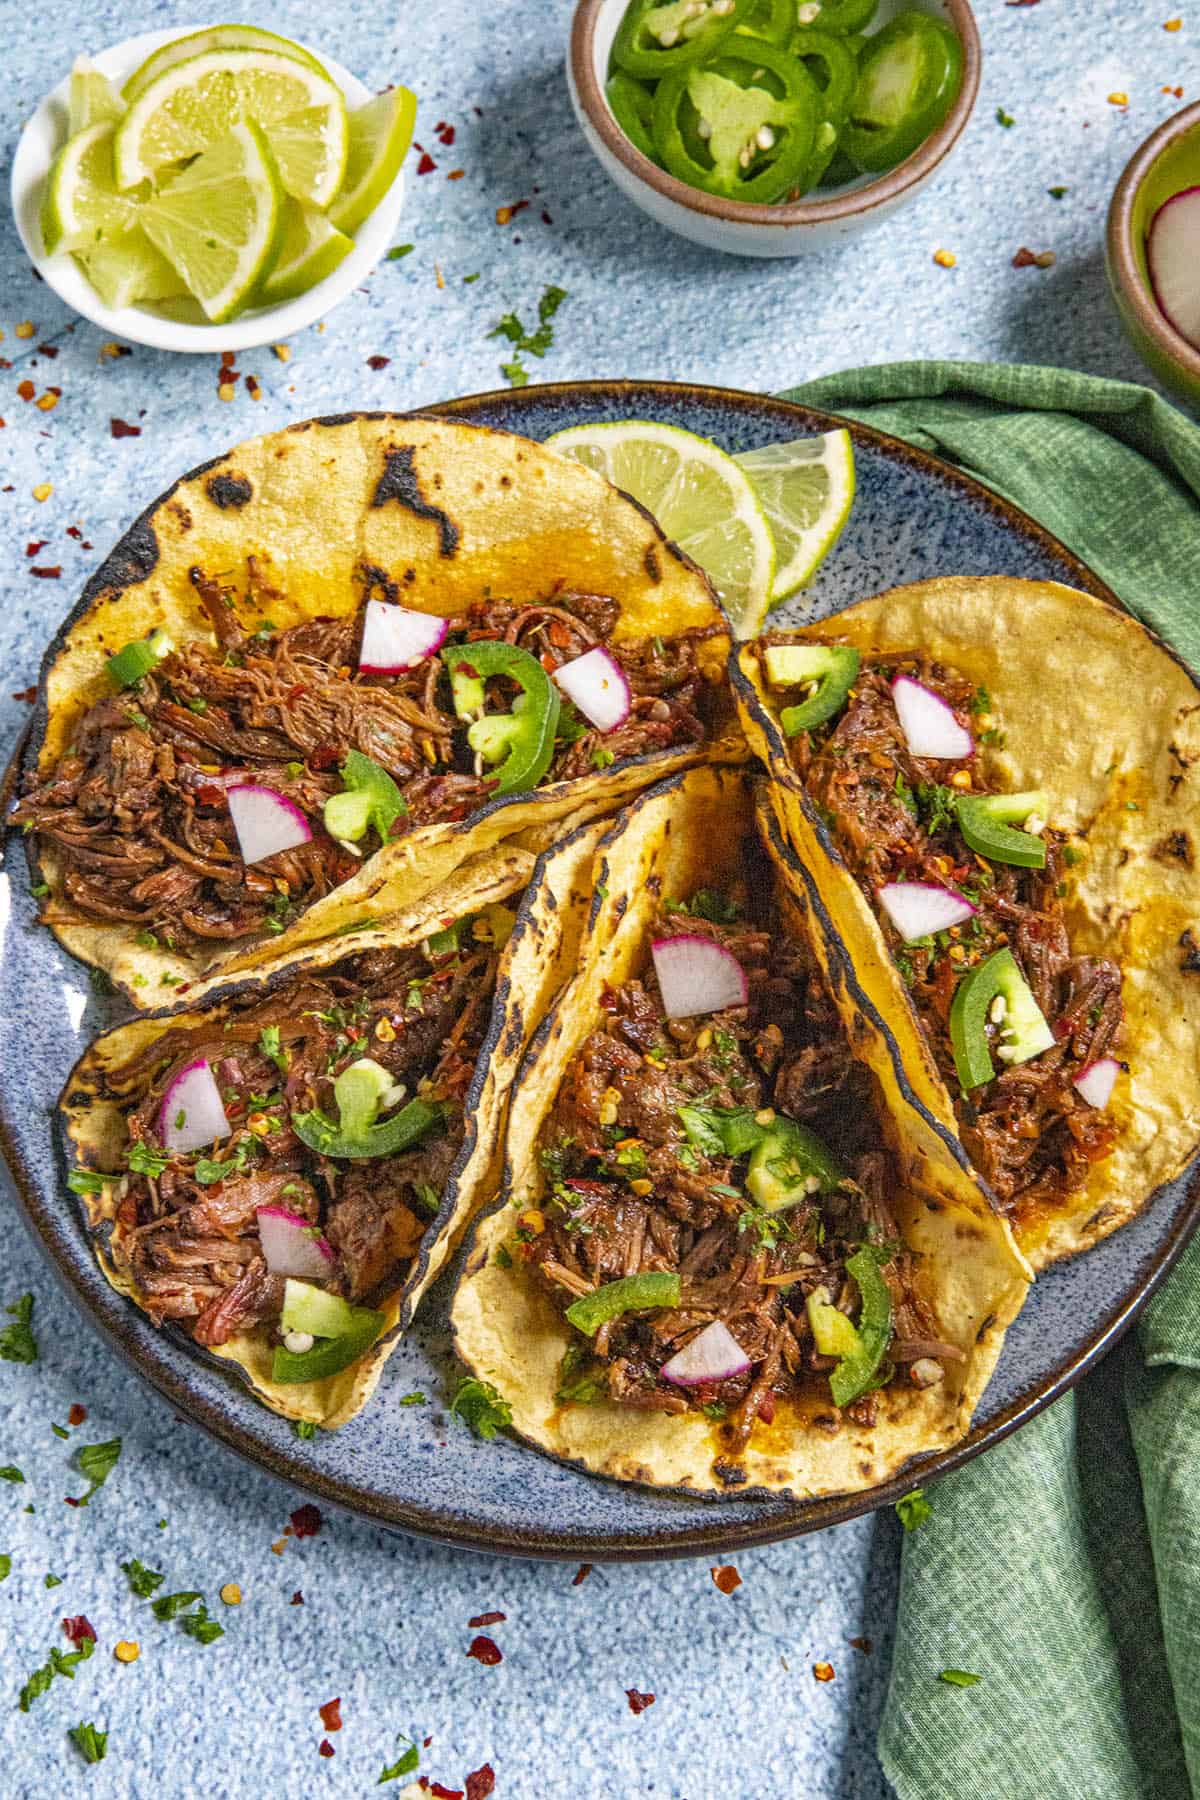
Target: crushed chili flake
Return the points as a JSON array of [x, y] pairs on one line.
[[50, 350], [442, 1793], [306, 1520], [118, 428], [1031, 259], [506, 214], [70, 1500], [1118, 99], [26, 328], [49, 400], [638, 1702], [378, 362], [823, 1671], [325, 1748], [34, 545], [1020, 2], [480, 1782], [485, 1651], [73, 531], [297, 1599], [112, 350], [581, 1574], [426, 166], [865, 1644], [228, 358], [78, 1628], [29, 695], [280, 1544], [252, 387], [26, 389], [77, 1414], [331, 1714], [482, 1619], [445, 134], [1177, 91], [546, 219], [283, 352], [225, 390], [456, 175], [1172, 24], [945, 259], [726, 1578], [47, 571]]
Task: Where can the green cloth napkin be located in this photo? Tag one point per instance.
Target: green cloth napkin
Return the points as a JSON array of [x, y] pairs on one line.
[[1064, 1567]]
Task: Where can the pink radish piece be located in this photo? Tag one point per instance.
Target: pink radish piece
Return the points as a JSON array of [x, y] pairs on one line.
[[697, 976], [1173, 256], [1097, 1081], [597, 686], [918, 909], [928, 724], [192, 1115], [292, 1245], [266, 822], [395, 638], [714, 1354]]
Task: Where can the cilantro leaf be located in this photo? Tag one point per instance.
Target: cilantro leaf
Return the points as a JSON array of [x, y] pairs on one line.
[[169, 1606], [304, 1428], [478, 1405], [97, 1462], [142, 1160], [913, 1509], [17, 1343], [86, 1181], [5, 1566], [198, 1625], [61, 1662], [268, 1043], [10, 1472], [407, 1764], [959, 1677], [142, 1580], [91, 1744]]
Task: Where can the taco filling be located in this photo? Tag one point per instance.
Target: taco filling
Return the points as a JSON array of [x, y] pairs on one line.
[[285, 1158], [222, 787], [717, 1226], [967, 882]]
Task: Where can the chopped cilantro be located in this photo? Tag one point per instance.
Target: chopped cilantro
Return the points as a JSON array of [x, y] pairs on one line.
[[304, 1428], [10, 1472], [913, 1509], [503, 1257], [268, 1043], [717, 908], [905, 795], [981, 700], [535, 343], [1070, 855], [198, 1625], [935, 805], [197, 704], [714, 1409], [468, 279], [407, 1764], [632, 1158], [142, 1160], [767, 1227], [570, 727], [91, 1744], [959, 1677], [52, 1581], [399, 250], [478, 1405], [515, 373], [169, 1606], [97, 1462], [1003, 118], [60, 1431], [575, 1387], [142, 1580], [427, 1196], [602, 759], [17, 1342], [416, 1398], [61, 1662], [1056, 193], [5, 1566]]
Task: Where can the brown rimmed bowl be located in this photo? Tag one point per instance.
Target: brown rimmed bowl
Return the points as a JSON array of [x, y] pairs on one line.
[[785, 229], [1166, 163]]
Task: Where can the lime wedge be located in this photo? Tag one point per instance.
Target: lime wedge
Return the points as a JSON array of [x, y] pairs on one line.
[[380, 133], [310, 248], [213, 37], [128, 268], [81, 206], [806, 487], [93, 98], [218, 222], [193, 104], [699, 496]]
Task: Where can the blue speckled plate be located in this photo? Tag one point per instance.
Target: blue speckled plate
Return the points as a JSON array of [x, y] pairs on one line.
[[413, 1468]]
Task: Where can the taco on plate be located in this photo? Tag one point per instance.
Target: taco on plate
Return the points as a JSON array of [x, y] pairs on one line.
[[721, 1260], [281, 1172], [321, 672], [995, 785]]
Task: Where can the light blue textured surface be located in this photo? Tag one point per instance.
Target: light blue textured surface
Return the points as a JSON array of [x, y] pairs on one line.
[[384, 1622]]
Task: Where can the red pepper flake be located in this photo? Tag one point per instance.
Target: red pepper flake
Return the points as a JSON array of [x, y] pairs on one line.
[[546, 219], [426, 166], [26, 389], [34, 545], [119, 429], [766, 1411], [48, 571], [325, 1748], [228, 358], [442, 1793], [482, 1619], [726, 1578], [306, 1521], [1033, 259], [823, 1671], [445, 133], [865, 1644], [638, 1702], [485, 1651], [331, 1714], [378, 362], [480, 1782], [29, 695], [297, 1599], [506, 214], [78, 1628], [1021, 2], [50, 350], [77, 1414], [581, 1574], [69, 1500], [73, 531], [456, 175], [1177, 91]]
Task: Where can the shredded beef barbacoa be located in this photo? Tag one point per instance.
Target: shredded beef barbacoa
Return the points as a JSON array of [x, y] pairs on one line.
[[628, 1191], [188, 1236], [1029, 1132], [136, 809]]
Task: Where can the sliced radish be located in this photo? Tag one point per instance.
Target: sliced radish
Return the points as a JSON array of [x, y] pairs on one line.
[[266, 822], [1173, 256], [1096, 1082], [697, 976], [714, 1354], [928, 724], [292, 1245], [597, 685], [918, 909], [395, 638], [192, 1114]]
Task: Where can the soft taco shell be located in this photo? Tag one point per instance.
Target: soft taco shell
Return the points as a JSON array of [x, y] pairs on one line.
[[308, 522], [1103, 715], [537, 958], [687, 832]]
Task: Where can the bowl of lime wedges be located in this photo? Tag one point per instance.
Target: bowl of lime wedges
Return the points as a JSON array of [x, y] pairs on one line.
[[210, 189]]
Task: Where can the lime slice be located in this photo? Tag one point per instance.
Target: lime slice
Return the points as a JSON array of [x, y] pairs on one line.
[[81, 206], [213, 37], [193, 104], [806, 487], [93, 98], [128, 268], [218, 222], [380, 133], [699, 496], [309, 250]]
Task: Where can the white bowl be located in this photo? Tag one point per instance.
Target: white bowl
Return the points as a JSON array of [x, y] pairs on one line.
[[44, 135], [785, 229]]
